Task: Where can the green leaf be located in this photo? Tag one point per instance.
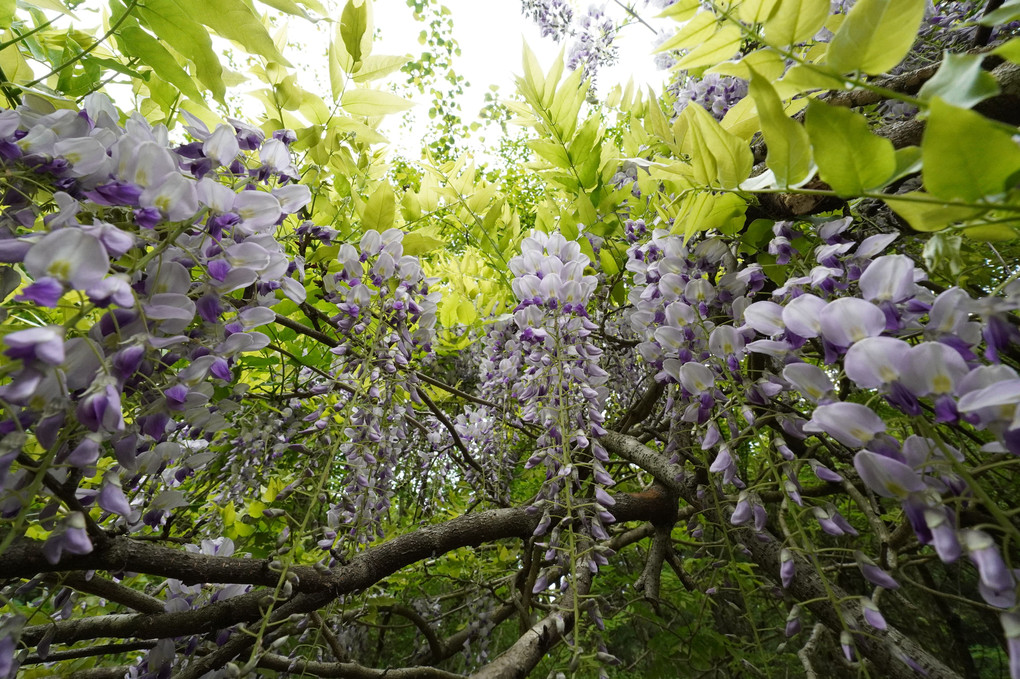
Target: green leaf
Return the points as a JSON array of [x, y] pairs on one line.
[[1009, 50], [926, 213], [991, 233], [795, 21], [966, 156], [288, 7], [364, 102], [418, 243], [719, 158], [1009, 11], [789, 150], [356, 28], [757, 11], [380, 210], [137, 43], [850, 158], [378, 66], [704, 211], [680, 11], [875, 36], [171, 23], [235, 20], [7, 9], [960, 81], [723, 44], [695, 32]]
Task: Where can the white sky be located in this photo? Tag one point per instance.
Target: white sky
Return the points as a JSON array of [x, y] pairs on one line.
[[491, 34]]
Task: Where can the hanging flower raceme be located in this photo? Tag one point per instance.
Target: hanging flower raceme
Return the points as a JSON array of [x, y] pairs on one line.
[[387, 315], [561, 390]]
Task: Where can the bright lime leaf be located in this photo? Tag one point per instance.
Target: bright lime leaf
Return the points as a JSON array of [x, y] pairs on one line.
[[681, 11], [1009, 11], [850, 158], [235, 20], [1009, 50], [926, 213], [7, 9], [173, 24], [875, 36], [695, 32], [287, 7], [961, 81], [380, 210], [721, 46], [757, 11], [719, 158], [418, 243], [795, 21], [378, 66], [966, 156], [362, 102], [356, 28], [137, 43], [789, 150]]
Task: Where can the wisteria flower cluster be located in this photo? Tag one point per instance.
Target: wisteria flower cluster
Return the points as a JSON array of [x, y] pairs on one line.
[[551, 366], [591, 33], [933, 357]]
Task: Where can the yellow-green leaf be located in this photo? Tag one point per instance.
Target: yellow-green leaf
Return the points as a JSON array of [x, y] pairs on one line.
[[696, 31], [1009, 50], [288, 7], [875, 36], [378, 66], [137, 43], [680, 11], [991, 233], [380, 210], [723, 44], [364, 102], [418, 243], [718, 158], [926, 213], [356, 28], [789, 150], [171, 23], [757, 11], [966, 156], [850, 158], [795, 21], [960, 81], [235, 20], [7, 9]]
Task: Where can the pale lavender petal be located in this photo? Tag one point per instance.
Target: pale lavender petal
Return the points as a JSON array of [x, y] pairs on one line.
[[767, 318], [848, 320], [810, 380], [802, 315], [888, 279], [885, 476], [852, 424], [933, 368], [874, 362], [68, 255]]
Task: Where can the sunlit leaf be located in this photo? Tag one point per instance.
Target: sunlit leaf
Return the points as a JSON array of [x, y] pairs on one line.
[[137, 43], [356, 28], [966, 156], [789, 150], [170, 22], [380, 210], [960, 81], [378, 66], [364, 102], [875, 36], [235, 20], [851, 159], [795, 21]]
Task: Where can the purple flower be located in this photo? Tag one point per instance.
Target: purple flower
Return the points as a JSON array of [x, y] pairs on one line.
[[874, 573], [852, 424], [871, 614], [44, 344], [787, 567], [848, 320], [886, 476], [69, 255], [70, 537]]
